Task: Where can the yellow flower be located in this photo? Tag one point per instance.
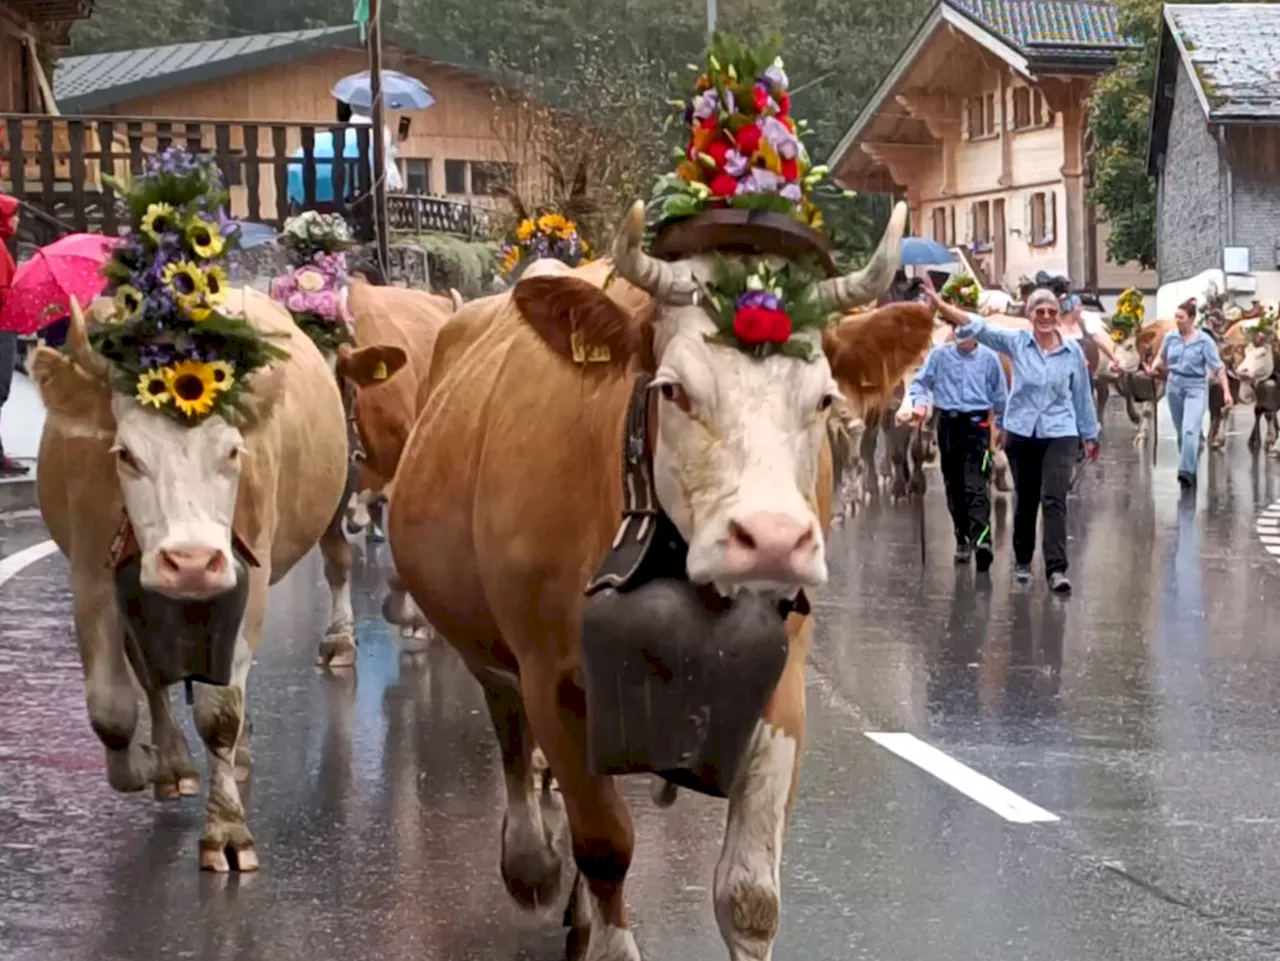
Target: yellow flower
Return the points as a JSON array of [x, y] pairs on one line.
[[223, 374], [153, 387], [510, 260], [204, 238], [215, 286], [553, 224], [189, 286], [159, 220], [128, 302], [193, 387], [1117, 336], [525, 230]]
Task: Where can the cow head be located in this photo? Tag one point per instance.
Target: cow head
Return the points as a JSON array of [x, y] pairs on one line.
[[738, 437], [179, 483], [1258, 362]]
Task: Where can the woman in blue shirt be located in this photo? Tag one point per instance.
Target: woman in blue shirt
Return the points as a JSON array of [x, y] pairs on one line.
[[1049, 413], [1187, 357]]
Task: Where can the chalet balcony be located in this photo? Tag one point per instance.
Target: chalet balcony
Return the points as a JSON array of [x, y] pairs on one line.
[[272, 171]]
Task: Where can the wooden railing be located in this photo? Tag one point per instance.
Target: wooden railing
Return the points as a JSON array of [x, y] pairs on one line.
[[271, 169], [417, 213]]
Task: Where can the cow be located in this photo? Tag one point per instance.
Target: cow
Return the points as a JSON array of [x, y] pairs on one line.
[[395, 335], [190, 496], [1256, 371], [1232, 338], [1142, 392], [509, 496]]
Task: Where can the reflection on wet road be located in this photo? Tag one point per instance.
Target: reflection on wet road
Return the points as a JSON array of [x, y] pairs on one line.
[[1141, 712]]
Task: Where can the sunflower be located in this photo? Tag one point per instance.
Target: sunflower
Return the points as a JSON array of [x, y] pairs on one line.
[[193, 386], [510, 260], [554, 224], [187, 283], [525, 230], [128, 302], [223, 374], [1117, 336], [204, 238], [160, 219], [153, 387], [215, 286]]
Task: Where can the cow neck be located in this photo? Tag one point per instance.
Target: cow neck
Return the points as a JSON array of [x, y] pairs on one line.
[[124, 546], [648, 545]]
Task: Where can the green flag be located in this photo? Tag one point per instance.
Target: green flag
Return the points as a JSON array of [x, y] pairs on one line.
[[360, 15]]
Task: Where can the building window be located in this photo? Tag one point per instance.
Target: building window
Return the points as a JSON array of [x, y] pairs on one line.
[[980, 115], [1029, 109], [417, 175], [1042, 218], [487, 179], [940, 224], [980, 224], [455, 176]]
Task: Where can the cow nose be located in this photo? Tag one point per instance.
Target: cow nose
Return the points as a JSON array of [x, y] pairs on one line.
[[191, 570], [771, 547]]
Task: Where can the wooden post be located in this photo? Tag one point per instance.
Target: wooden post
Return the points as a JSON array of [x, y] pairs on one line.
[[379, 145]]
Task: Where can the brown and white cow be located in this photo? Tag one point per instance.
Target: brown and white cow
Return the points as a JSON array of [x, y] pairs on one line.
[[187, 493], [1256, 370], [509, 496], [1142, 393]]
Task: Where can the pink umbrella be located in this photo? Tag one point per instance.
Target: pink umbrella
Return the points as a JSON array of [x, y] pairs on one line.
[[42, 288]]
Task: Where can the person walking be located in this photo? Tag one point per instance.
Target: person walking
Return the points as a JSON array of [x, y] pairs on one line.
[[967, 386], [1187, 357], [8, 339], [1047, 417]]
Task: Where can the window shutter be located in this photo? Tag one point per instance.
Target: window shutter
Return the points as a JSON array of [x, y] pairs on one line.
[[1050, 216], [970, 225], [1028, 220]]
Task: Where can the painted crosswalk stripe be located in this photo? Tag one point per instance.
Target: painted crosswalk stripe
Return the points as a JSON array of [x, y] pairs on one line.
[[14, 564], [966, 780]]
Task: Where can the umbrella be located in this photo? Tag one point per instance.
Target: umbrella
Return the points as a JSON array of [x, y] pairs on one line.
[[399, 92], [41, 289], [254, 234], [920, 251]]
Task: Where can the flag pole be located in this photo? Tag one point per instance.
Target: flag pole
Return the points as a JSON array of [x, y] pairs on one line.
[[379, 145]]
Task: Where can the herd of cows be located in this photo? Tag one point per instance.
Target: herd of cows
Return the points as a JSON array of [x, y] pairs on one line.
[[499, 433]]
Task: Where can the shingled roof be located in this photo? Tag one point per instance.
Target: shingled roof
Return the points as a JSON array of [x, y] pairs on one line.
[[1042, 23], [1232, 52], [94, 81]]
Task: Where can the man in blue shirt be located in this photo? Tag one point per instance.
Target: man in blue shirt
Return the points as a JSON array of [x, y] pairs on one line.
[[967, 384]]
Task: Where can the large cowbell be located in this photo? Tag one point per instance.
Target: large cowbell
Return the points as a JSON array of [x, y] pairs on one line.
[[172, 640]]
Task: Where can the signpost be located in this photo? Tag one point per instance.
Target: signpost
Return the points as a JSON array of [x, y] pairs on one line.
[[379, 144]]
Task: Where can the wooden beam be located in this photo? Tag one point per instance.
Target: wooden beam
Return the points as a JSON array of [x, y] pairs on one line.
[[903, 161]]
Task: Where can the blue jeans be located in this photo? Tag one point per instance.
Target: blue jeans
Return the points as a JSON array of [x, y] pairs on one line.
[[1186, 406]]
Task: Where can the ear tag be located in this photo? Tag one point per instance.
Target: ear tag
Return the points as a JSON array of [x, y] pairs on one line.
[[582, 354], [380, 372]]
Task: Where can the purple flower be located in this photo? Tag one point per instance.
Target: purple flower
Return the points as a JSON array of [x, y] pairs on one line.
[[297, 302], [747, 185], [770, 301], [776, 76], [792, 192], [706, 104], [767, 182], [780, 138], [735, 164]]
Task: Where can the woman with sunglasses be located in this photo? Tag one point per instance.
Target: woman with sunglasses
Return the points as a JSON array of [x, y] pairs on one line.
[[1049, 413]]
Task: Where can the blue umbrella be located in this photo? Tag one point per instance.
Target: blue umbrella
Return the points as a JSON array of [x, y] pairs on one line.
[[254, 234], [322, 149], [921, 251], [399, 92]]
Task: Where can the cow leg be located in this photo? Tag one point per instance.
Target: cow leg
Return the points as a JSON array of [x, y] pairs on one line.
[[603, 834], [1131, 409], [338, 649], [534, 820], [748, 883], [399, 608], [225, 842], [1102, 394], [1273, 430], [1255, 435], [175, 772], [110, 694]]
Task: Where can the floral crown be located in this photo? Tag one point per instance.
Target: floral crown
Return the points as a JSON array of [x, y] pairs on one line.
[[1128, 316], [171, 345], [962, 291], [317, 246], [744, 149], [1264, 331], [549, 235]]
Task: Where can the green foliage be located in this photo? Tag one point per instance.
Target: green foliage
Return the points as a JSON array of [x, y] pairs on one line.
[[467, 265], [794, 287]]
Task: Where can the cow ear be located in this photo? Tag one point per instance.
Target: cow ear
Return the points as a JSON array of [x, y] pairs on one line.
[[75, 399], [870, 353], [580, 322], [370, 366], [265, 390]]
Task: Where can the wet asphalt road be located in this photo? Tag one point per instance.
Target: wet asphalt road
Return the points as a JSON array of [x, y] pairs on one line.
[[1143, 712]]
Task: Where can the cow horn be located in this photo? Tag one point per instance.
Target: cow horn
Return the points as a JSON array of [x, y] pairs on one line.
[[89, 360], [866, 285], [657, 277]]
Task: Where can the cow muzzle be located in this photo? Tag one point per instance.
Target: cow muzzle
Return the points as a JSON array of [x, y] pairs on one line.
[[769, 553], [188, 572]]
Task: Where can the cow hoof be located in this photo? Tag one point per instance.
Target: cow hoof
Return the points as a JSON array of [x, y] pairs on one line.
[[171, 790], [664, 792], [243, 764], [132, 769], [531, 870], [224, 858], [337, 650], [416, 641]]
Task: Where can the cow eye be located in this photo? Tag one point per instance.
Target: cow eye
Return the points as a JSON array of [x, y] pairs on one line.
[[126, 459], [828, 401], [675, 393]]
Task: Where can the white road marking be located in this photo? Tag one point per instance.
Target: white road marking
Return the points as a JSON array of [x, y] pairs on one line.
[[1268, 529], [15, 564], [964, 779]]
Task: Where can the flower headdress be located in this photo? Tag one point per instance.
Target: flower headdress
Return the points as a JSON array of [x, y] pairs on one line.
[[1128, 316], [317, 245], [962, 291], [744, 149], [549, 235], [1264, 331], [171, 345]]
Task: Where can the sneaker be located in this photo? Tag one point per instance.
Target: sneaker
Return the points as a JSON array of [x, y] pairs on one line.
[[963, 553], [1022, 573], [983, 556], [1187, 481], [1058, 583]]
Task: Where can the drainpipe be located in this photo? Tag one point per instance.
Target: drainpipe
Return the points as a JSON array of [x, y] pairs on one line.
[[1231, 206]]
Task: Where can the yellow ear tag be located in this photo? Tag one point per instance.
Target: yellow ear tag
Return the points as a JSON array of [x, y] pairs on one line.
[[587, 355], [380, 372]]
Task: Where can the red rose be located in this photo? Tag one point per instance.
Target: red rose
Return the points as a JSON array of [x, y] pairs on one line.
[[722, 185], [710, 123], [753, 325], [749, 139], [779, 326], [784, 104], [791, 124], [790, 170], [761, 97], [717, 152]]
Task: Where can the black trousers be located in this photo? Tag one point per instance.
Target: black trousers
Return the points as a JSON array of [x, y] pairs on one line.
[[8, 357], [963, 440], [1041, 478]]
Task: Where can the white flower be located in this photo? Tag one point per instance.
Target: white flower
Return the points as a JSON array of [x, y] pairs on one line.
[[309, 280], [754, 282]]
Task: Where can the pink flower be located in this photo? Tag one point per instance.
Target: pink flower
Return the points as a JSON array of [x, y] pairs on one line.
[[325, 303], [281, 287], [297, 302], [309, 279]]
